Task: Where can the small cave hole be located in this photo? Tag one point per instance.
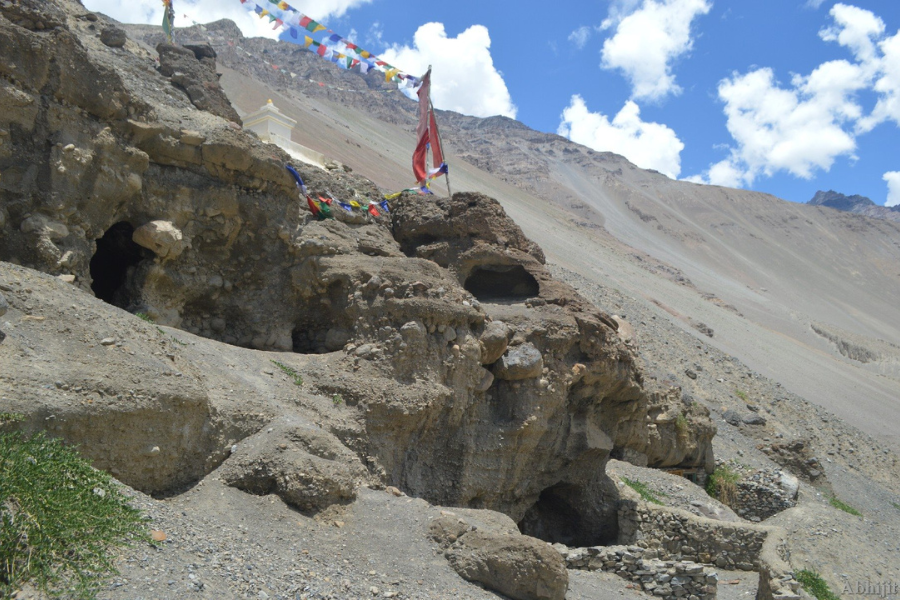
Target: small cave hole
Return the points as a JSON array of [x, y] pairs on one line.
[[112, 264], [323, 326], [501, 282]]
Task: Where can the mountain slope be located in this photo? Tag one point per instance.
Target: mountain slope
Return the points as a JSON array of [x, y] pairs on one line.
[[758, 270]]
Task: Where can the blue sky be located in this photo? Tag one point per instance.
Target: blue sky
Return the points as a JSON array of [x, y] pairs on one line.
[[780, 96]]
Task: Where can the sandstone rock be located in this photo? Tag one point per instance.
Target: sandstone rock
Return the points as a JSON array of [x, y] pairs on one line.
[[44, 226], [307, 467], [162, 237], [517, 566], [336, 338], [114, 37], [193, 68], [494, 340], [520, 362], [790, 485], [445, 530]]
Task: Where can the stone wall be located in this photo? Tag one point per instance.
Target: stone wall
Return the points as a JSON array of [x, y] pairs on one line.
[[678, 535], [668, 579], [763, 493]]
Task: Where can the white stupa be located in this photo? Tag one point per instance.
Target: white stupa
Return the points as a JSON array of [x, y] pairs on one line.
[[274, 127]]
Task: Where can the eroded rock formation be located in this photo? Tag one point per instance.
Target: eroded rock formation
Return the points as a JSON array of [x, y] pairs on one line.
[[436, 352]]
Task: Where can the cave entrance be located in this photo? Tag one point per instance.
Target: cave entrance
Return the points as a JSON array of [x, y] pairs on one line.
[[575, 516], [553, 518], [113, 262], [501, 282]]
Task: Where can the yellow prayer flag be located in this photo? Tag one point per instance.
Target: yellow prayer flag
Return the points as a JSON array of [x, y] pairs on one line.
[[355, 204], [390, 74], [263, 13], [307, 41], [283, 5], [319, 28]]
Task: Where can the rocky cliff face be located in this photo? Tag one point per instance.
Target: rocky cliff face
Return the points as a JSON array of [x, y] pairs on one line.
[[856, 204], [453, 365]]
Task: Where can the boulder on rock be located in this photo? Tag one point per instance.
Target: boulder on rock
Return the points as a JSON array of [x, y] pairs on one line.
[[518, 566], [307, 467], [493, 340], [520, 362], [162, 237]]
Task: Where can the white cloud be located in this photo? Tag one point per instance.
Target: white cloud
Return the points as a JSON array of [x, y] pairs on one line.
[[580, 36], [648, 145], [805, 127], [815, 4], [205, 11], [893, 181], [854, 28], [464, 77], [648, 40], [797, 130]]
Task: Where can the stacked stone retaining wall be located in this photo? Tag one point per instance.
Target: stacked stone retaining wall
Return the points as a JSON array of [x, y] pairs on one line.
[[678, 535], [667, 579]]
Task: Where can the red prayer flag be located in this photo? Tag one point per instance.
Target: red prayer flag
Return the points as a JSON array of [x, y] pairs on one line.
[[426, 133], [312, 206]]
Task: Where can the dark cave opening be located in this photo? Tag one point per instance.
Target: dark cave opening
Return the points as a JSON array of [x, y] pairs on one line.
[[553, 518], [563, 515], [499, 282], [111, 264]]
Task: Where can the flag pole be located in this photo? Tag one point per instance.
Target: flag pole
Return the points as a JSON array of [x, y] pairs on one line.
[[440, 141]]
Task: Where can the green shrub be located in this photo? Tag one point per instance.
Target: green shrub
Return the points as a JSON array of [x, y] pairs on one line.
[[844, 507], [896, 505], [681, 424], [298, 380], [722, 484], [144, 317], [813, 583], [337, 399], [645, 492], [59, 519], [741, 394]]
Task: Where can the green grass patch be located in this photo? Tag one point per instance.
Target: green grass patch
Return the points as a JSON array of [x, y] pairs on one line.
[[681, 424], [742, 395], [645, 492], [60, 519], [896, 505], [144, 317], [844, 506], [298, 380], [722, 484], [6, 418], [813, 583], [337, 399]]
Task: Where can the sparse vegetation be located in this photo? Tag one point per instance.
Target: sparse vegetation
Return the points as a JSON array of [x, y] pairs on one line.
[[645, 492], [844, 506], [144, 317], [298, 380], [337, 399], [896, 505], [6, 418], [742, 395], [722, 484], [813, 583], [59, 519], [681, 424]]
